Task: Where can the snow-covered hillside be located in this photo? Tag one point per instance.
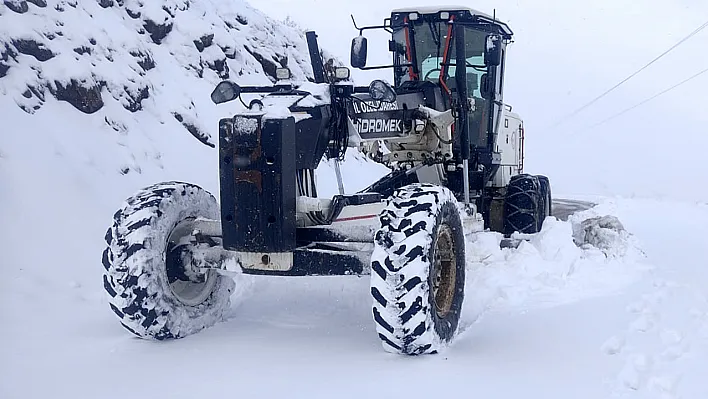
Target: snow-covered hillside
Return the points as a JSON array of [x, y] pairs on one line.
[[131, 61], [626, 317]]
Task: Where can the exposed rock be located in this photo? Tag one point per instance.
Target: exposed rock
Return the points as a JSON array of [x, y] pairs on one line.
[[229, 52], [18, 6], [204, 42], [199, 69], [232, 25], [82, 50], [241, 19], [269, 65], [29, 109], [221, 67], [157, 31], [168, 11], [133, 14], [86, 99], [198, 134], [32, 99], [105, 3], [38, 3], [116, 125], [144, 60], [33, 48], [5, 55], [135, 99], [38, 92]]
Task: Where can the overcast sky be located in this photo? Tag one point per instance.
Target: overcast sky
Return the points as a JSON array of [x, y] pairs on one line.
[[566, 52]]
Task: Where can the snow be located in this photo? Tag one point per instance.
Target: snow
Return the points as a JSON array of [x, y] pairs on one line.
[[245, 125], [437, 9], [624, 315], [357, 44]]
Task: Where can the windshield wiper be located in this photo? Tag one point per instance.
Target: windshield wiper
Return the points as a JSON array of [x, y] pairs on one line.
[[436, 35]]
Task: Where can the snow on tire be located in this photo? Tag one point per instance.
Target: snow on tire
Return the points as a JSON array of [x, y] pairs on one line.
[[140, 281], [418, 270]]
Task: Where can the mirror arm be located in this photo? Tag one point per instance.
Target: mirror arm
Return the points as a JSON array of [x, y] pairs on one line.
[[363, 28], [385, 66]]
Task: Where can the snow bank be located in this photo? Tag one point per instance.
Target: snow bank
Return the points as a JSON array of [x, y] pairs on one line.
[[556, 266]]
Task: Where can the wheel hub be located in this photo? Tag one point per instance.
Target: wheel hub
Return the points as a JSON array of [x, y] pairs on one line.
[[444, 271], [188, 285]]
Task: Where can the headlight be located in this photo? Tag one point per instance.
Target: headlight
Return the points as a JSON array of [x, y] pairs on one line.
[[341, 73], [282, 74]]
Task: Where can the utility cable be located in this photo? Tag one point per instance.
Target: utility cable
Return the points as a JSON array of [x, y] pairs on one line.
[[649, 99], [577, 111]]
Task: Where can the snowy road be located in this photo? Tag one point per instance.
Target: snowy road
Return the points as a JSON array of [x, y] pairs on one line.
[[611, 332], [562, 208]]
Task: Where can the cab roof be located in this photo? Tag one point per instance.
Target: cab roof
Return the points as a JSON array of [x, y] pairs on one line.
[[472, 13], [437, 9]]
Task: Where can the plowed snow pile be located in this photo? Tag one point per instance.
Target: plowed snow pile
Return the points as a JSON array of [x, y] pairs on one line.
[[551, 267]]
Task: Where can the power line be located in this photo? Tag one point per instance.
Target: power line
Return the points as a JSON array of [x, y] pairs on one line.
[[594, 100], [649, 99]]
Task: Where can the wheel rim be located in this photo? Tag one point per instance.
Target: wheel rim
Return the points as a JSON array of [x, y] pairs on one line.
[[444, 271], [187, 287]]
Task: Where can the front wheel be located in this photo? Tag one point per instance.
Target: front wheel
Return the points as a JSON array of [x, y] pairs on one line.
[[150, 286], [418, 270]]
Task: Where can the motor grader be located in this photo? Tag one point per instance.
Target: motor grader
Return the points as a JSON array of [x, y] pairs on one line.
[[455, 152]]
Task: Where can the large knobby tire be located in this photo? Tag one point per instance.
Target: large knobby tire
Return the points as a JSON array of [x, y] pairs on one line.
[[546, 199], [523, 205], [145, 276], [418, 270]]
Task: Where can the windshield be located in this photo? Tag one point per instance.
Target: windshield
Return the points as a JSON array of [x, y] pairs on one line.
[[431, 48], [429, 45]]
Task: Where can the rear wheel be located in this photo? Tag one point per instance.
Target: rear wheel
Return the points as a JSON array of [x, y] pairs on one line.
[[418, 270], [546, 199], [523, 205], [151, 286]]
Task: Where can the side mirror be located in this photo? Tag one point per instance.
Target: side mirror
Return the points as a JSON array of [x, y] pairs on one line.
[[358, 54], [382, 91], [493, 51], [225, 91]]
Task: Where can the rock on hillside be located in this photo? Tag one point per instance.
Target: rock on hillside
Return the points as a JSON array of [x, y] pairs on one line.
[[157, 56]]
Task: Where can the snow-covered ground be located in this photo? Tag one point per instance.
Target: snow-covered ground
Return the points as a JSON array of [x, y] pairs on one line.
[[545, 320]]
